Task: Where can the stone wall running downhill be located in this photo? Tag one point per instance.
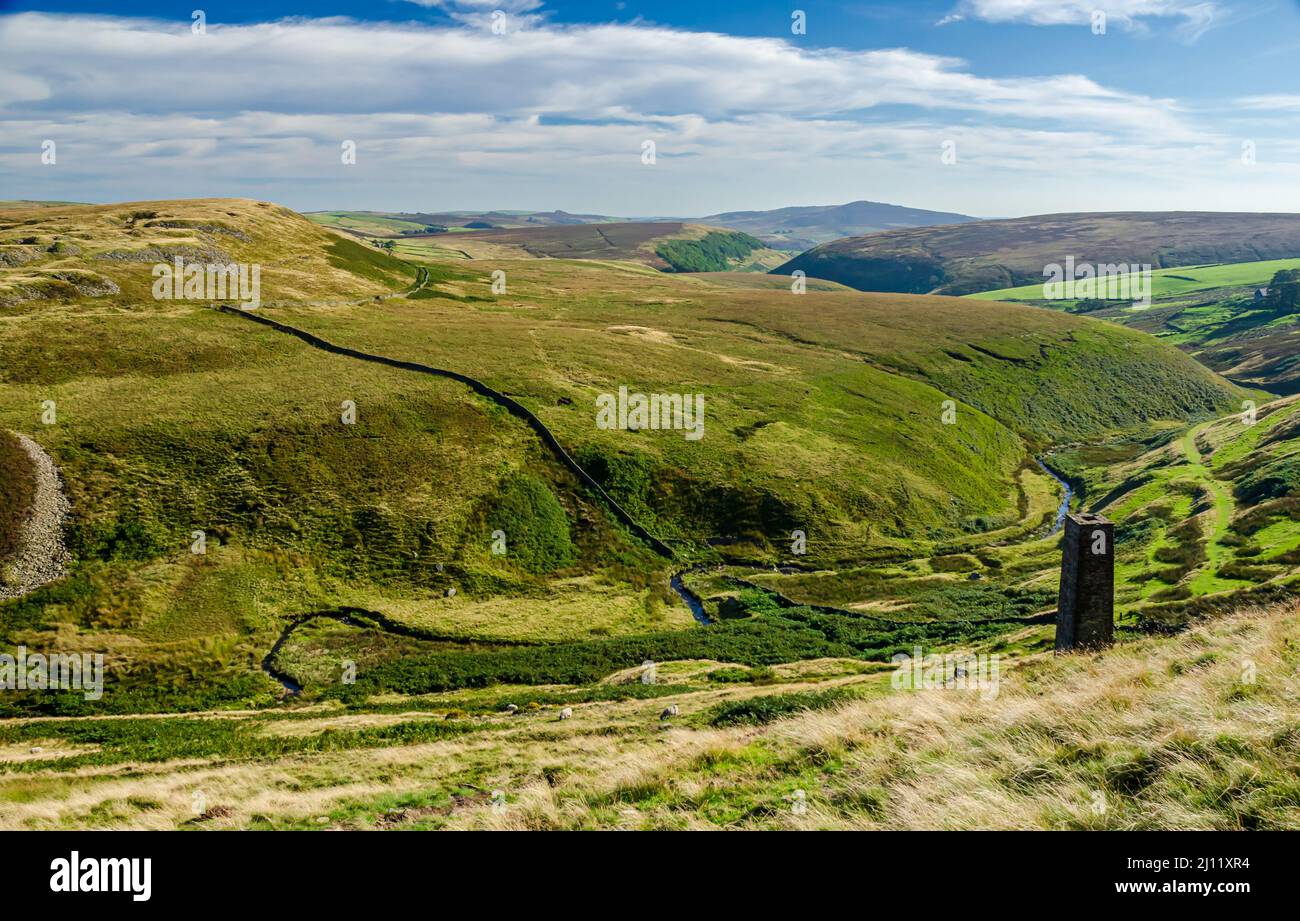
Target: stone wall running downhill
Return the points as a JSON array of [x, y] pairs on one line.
[[41, 556]]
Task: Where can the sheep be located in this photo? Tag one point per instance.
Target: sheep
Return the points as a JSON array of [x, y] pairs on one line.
[[512, 708], [669, 712], [566, 713]]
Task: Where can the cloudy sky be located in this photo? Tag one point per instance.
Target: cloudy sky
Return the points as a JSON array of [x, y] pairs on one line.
[[480, 104]]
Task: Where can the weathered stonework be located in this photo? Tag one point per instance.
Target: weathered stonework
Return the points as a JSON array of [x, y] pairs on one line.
[[1086, 605]]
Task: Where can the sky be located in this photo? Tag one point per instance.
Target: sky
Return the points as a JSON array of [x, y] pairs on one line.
[[993, 108]]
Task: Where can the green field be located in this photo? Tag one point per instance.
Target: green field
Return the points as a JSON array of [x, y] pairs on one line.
[[1167, 282]]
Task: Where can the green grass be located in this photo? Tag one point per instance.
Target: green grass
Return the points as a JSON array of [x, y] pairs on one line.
[[824, 413], [17, 490], [770, 707], [1180, 281]]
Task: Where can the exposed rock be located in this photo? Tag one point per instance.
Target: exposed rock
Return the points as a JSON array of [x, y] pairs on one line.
[[41, 556]]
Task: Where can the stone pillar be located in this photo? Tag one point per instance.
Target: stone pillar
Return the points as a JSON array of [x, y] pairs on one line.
[[1085, 616]]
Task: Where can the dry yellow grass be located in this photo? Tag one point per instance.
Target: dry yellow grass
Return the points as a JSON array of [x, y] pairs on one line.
[[1199, 730]]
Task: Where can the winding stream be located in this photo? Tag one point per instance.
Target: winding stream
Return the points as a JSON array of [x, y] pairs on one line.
[[1065, 502], [692, 600]]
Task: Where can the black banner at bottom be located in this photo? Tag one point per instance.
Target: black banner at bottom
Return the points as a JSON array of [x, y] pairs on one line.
[[140, 870]]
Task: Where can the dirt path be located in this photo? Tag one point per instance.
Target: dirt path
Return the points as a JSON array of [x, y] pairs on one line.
[[42, 556]]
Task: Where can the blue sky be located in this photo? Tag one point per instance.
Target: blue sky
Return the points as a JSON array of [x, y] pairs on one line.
[[1177, 104]]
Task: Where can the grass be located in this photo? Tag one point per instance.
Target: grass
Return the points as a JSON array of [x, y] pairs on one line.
[[1158, 732], [1173, 282], [110, 250], [17, 491], [825, 413]]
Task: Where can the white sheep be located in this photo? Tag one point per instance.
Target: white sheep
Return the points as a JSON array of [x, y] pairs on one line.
[[566, 713]]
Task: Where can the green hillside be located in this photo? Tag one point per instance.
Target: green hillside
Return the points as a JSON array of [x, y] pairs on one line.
[[825, 413], [995, 255], [1216, 313]]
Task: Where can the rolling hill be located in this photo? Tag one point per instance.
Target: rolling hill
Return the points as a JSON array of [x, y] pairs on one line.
[[670, 246], [795, 228], [1213, 312], [824, 413], [407, 594], [990, 255], [61, 254], [801, 228], [402, 223]]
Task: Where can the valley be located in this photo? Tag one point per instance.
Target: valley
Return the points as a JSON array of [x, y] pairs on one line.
[[410, 523]]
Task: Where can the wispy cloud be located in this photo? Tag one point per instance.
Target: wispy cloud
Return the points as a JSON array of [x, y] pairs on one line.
[[99, 63], [561, 112], [1190, 17]]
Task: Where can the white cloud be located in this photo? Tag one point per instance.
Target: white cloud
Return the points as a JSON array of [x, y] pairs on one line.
[[1191, 16], [1274, 102], [554, 116], [100, 63]]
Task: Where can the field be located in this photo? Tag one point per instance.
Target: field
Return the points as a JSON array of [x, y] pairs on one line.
[[1001, 254], [1167, 283], [1211, 312], [410, 571]]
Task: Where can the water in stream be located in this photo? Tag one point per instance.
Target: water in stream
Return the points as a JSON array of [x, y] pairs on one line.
[[1065, 502], [692, 602]]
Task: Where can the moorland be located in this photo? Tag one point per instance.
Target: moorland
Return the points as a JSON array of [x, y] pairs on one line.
[[409, 606]]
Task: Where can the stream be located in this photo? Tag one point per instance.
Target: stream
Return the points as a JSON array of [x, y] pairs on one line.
[[692, 600], [1065, 502]]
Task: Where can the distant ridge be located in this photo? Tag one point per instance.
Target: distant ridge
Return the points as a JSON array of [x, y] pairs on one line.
[[795, 228], [989, 255], [804, 227]]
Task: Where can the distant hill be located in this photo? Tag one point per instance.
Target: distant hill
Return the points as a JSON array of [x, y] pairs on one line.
[[988, 255], [406, 223], [803, 227], [797, 228], [15, 203], [59, 254], [669, 246]]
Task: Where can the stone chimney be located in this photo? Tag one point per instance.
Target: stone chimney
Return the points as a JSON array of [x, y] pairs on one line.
[[1085, 616]]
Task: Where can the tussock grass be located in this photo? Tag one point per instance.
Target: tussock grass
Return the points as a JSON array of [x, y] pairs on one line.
[[17, 491]]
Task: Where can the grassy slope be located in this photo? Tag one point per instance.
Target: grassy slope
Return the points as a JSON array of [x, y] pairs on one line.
[[823, 413], [1205, 518], [17, 490], [989, 255], [643, 242], [1171, 282], [105, 253], [799, 389], [1211, 313], [1162, 732]]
